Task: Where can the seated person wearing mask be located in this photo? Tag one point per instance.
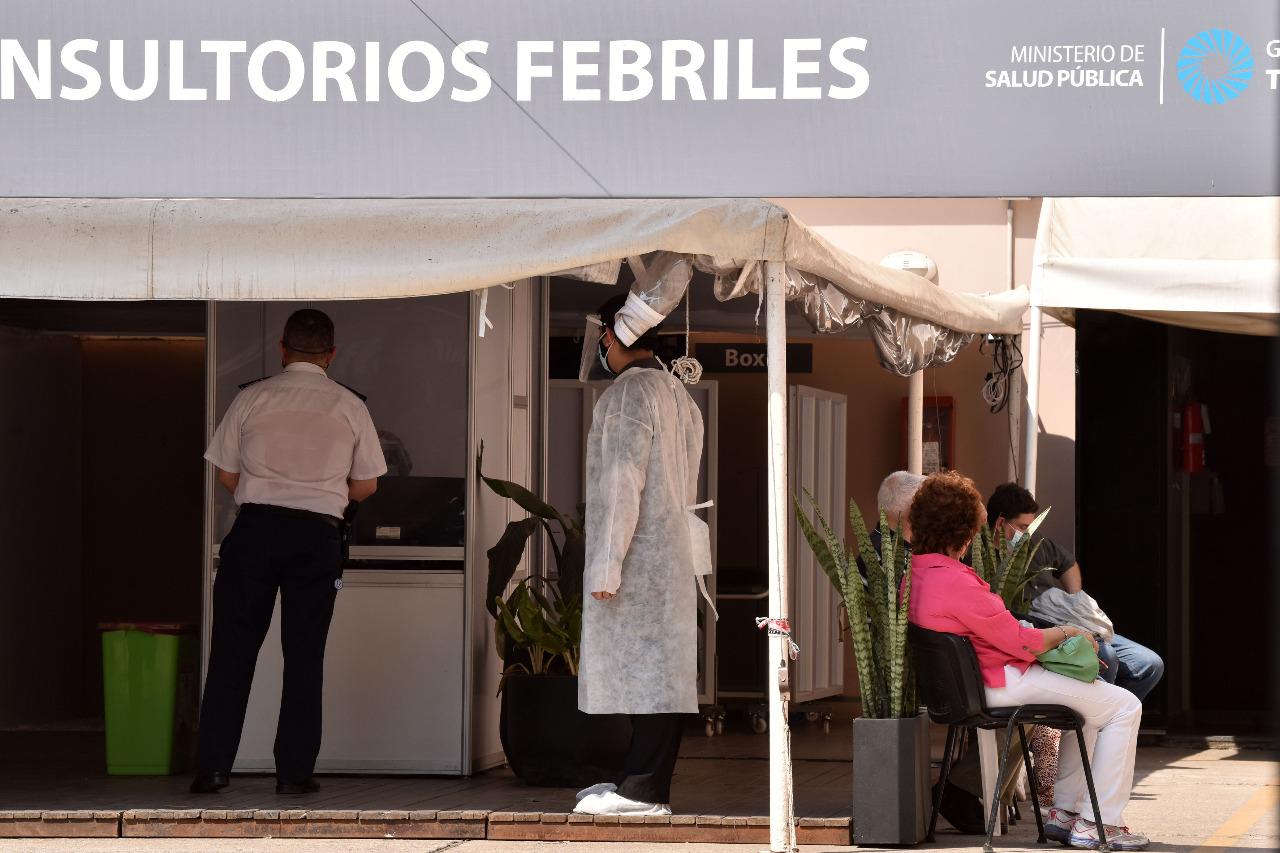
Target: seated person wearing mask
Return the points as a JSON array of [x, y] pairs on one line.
[[946, 595], [1130, 665]]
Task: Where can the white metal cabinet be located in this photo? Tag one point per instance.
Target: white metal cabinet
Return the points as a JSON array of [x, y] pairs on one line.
[[393, 700]]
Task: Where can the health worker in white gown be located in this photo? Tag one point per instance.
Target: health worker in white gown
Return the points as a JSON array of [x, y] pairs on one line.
[[639, 626]]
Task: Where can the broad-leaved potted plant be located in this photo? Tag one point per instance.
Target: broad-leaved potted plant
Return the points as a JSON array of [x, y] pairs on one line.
[[538, 635]]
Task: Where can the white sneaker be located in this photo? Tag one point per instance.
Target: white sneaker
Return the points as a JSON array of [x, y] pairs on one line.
[[1058, 824], [1084, 836], [598, 788], [611, 803]]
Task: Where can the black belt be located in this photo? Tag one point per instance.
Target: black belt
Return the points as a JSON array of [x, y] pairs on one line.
[[272, 509]]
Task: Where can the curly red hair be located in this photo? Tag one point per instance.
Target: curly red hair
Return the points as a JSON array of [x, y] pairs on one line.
[[945, 514]]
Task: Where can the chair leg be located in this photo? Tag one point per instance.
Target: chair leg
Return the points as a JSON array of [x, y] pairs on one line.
[[942, 780], [995, 800], [1093, 794], [1034, 785]]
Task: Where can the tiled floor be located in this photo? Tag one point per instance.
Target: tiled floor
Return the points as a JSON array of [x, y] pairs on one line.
[[53, 784], [725, 775]]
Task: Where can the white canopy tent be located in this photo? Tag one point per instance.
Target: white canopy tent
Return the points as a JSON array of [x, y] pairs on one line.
[[325, 249], [1205, 263], [1202, 263], [291, 249]]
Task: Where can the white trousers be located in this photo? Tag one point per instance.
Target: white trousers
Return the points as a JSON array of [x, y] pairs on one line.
[[1111, 717]]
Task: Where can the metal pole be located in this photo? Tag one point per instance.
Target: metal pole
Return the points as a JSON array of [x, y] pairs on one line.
[[915, 423], [1031, 428], [782, 827], [1014, 412], [210, 486], [1015, 419]]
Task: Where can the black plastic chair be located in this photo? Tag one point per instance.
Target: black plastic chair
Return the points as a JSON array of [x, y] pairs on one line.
[[952, 689]]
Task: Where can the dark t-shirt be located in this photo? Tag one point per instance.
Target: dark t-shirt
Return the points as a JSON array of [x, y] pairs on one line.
[[1052, 556]]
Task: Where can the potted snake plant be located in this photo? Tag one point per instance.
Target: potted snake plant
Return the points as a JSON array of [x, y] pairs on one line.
[[891, 779], [538, 634]]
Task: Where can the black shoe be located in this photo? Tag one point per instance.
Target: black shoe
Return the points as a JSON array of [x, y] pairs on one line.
[[210, 783], [962, 810], [307, 786]]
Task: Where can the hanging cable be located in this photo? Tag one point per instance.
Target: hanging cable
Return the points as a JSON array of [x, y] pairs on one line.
[[686, 368], [1006, 358]]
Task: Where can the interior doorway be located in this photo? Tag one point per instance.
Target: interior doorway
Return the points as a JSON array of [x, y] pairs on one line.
[[1172, 538], [102, 512]]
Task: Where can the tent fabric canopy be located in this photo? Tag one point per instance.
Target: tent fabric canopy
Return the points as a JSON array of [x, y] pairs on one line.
[[318, 249], [1205, 263]]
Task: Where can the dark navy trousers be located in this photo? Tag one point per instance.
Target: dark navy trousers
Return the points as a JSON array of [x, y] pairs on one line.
[[269, 552]]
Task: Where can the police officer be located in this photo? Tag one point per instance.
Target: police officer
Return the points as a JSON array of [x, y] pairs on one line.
[[293, 449]]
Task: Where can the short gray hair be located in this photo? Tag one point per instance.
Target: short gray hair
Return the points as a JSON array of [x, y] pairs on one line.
[[896, 492]]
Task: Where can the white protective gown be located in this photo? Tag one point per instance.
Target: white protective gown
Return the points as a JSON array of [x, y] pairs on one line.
[[639, 649]]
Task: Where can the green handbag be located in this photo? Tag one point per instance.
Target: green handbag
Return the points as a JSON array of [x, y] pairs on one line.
[[1075, 658]]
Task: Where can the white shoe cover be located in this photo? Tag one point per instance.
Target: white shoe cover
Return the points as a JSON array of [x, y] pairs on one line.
[[611, 803], [598, 788], [590, 804]]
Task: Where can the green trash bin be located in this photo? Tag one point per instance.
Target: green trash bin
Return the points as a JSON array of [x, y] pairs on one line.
[[140, 669]]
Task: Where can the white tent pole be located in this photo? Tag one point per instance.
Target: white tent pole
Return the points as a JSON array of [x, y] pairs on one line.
[[1014, 400], [1031, 428], [782, 832], [915, 423]]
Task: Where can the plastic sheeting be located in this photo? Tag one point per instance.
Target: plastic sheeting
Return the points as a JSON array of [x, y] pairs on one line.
[[904, 344], [658, 288], [1204, 263], [316, 249]]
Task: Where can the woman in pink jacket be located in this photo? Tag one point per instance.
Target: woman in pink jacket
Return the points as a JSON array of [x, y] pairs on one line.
[[946, 595]]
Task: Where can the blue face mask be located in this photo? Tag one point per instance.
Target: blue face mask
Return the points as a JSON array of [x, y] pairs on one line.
[[1017, 539], [603, 352]]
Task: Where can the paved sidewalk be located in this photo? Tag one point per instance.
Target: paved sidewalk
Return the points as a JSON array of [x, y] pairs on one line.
[[1210, 801]]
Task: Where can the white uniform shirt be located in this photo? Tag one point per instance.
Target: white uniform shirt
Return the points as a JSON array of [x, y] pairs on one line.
[[295, 439]]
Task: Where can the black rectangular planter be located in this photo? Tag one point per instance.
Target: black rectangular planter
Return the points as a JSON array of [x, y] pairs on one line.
[[890, 780], [549, 742]]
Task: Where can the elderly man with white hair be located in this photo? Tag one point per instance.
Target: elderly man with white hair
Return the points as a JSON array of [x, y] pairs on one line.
[[894, 498]]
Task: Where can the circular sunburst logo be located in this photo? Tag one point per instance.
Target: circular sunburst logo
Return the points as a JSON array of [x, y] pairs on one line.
[[1215, 66]]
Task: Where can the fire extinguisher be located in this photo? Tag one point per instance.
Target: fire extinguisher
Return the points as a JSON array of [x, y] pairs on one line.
[[1193, 433]]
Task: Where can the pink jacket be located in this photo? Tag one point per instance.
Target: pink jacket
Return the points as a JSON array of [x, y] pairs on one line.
[[946, 595]]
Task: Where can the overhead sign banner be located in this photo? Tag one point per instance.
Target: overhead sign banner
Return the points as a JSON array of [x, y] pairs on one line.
[[476, 98]]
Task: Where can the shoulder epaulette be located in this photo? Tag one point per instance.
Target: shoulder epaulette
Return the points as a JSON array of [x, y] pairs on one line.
[[362, 397], [245, 385]]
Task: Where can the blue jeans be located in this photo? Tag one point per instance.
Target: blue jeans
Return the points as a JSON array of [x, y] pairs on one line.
[[1130, 665]]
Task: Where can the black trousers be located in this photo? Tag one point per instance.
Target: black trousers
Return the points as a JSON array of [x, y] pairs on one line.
[[298, 556], [651, 760]]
